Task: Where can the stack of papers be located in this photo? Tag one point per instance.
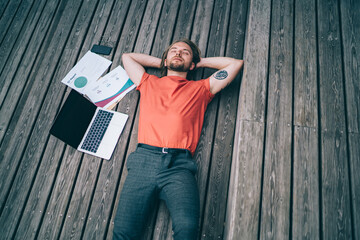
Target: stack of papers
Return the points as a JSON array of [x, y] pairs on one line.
[[104, 92]]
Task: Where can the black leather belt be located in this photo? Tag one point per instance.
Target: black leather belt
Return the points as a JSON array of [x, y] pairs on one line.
[[163, 149]]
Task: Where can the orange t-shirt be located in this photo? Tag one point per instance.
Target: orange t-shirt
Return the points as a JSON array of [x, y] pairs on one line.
[[172, 111]]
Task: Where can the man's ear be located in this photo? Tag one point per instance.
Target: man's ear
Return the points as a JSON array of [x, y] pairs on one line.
[[165, 65], [192, 66]]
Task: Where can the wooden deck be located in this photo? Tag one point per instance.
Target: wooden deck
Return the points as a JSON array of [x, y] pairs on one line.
[[279, 153]]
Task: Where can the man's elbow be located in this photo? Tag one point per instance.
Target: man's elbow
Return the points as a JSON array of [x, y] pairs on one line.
[[125, 56], [239, 63]]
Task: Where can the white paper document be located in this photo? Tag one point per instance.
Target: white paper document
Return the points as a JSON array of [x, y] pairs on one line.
[[90, 67], [110, 88]]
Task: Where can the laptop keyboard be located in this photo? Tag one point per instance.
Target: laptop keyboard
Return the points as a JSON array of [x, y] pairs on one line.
[[97, 131]]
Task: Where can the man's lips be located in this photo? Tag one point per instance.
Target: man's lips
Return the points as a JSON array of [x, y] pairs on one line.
[[178, 59]]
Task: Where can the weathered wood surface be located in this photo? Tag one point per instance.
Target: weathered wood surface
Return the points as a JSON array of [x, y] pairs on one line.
[[305, 203], [276, 196], [350, 15], [336, 204], [244, 201], [279, 151]]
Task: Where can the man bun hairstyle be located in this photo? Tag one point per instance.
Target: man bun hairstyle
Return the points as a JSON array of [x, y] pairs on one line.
[[195, 51]]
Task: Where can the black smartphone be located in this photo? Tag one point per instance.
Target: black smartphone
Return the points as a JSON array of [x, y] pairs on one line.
[[105, 50]]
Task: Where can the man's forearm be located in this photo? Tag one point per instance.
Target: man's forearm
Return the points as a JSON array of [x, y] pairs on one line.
[[144, 59], [217, 62]]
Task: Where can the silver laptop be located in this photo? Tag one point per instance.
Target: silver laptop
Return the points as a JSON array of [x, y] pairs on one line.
[[88, 128]]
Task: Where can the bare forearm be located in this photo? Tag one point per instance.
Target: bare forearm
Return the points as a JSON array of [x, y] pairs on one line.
[[142, 59], [218, 62], [135, 64]]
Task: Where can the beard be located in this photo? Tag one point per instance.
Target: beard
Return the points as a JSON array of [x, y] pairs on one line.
[[178, 67]]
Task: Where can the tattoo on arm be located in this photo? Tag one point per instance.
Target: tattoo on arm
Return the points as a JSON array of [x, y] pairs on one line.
[[221, 75]]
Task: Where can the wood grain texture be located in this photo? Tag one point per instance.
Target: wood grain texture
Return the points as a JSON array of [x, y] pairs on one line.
[[243, 209], [253, 98], [12, 13], [354, 154], [17, 38], [19, 64], [3, 6], [305, 71], [336, 217], [350, 15], [306, 186], [277, 162], [55, 213]]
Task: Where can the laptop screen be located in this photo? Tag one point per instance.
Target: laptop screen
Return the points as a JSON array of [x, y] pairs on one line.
[[73, 119]]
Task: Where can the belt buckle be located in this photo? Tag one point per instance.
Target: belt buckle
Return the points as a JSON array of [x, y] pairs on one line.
[[164, 150]]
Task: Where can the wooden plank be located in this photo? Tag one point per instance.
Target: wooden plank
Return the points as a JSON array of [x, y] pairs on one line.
[[354, 154], [350, 15], [305, 75], [15, 45], [256, 52], [8, 16], [275, 211], [336, 216], [243, 209], [30, 163], [306, 210], [21, 126], [242, 218]]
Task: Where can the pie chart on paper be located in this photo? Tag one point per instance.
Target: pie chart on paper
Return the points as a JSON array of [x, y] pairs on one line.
[[80, 82]]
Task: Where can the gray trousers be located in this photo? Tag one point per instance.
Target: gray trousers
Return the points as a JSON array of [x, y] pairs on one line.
[[154, 175]]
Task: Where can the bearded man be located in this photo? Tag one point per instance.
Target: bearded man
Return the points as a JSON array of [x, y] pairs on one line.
[[172, 112]]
